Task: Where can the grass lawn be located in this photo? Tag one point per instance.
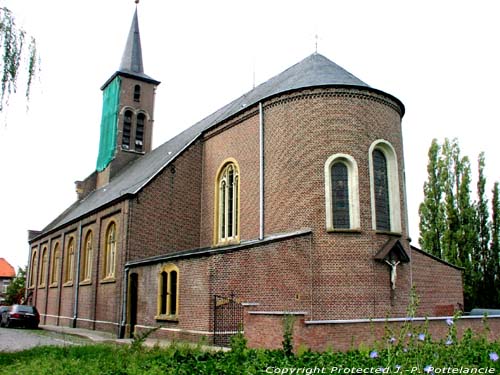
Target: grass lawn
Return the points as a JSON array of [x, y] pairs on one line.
[[415, 353]]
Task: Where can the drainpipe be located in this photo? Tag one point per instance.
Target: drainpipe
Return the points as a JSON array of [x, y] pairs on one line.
[[123, 322], [261, 171], [28, 274], [76, 282]]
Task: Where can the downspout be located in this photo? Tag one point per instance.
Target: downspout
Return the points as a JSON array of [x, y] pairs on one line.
[[77, 278], [261, 171], [123, 322], [28, 274]]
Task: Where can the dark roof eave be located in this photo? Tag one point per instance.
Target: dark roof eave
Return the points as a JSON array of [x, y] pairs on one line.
[[209, 251], [139, 77], [437, 259], [44, 233]]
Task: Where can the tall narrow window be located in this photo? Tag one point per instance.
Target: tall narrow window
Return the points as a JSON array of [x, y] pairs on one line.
[[55, 265], [110, 251], [34, 267], [88, 254], [384, 187], [70, 261], [168, 291], [227, 204], [137, 93], [127, 129], [139, 132], [381, 186], [341, 193], [164, 292], [43, 267], [340, 196]]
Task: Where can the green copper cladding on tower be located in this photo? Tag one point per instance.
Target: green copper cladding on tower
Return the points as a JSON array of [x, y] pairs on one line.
[[109, 120]]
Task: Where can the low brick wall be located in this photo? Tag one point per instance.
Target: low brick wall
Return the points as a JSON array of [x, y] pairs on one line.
[[265, 330]]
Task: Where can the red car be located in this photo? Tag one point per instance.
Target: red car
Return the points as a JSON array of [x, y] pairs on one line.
[[20, 315]]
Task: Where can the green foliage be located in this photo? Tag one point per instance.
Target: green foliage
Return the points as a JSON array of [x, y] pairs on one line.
[[458, 229], [431, 211], [140, 338], [19, 54], [288, 323], [415, 350], [15, 290]]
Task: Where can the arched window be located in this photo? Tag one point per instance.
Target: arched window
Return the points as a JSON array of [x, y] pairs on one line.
[[137, 93], [110, 251], [88, 254], [43, 267], [227, 204], [127, 129], [168, 292], [386, 206], [55, 265], [34, 267], [139, 132], [70, 261], [381, 186], [341, 193]]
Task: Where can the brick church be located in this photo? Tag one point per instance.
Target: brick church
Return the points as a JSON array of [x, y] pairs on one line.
[[288, 200]]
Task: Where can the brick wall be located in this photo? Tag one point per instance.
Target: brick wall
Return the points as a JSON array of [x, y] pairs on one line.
[[165, 216], [266, 331], [57, 301], [275, 275], [438, 285], [240, 141]]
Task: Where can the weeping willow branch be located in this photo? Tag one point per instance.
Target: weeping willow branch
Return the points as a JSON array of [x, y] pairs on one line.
[[19, 56]]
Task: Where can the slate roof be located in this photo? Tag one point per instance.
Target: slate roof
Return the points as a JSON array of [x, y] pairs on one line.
[[131, 64], [314, 71]]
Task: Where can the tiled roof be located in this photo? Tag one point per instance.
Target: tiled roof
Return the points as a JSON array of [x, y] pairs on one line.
[[6, 270]]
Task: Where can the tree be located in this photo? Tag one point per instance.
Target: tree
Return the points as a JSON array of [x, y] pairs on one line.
[[431, 211], [19, 54], [458, 230], [15, 290], [494, 261], [481, 259]]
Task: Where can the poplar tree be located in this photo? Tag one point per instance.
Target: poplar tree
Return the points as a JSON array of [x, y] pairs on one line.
[[481, 257], [431, 210], [494, 260], [19, 55]]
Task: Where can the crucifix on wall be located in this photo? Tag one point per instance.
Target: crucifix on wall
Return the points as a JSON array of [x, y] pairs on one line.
[[393, 264], [393, 254]]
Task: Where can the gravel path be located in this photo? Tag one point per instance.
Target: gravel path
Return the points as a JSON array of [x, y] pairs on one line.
[[13, 339]]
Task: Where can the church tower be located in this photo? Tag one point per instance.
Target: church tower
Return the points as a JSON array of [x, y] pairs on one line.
[[127, 111]]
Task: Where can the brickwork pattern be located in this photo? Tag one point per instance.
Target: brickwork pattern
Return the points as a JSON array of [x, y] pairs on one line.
[[165, 216], [266, 331]]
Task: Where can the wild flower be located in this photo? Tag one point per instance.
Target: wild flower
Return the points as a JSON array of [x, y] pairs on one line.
[[494, 356], [428, 369], [421, 336], [397, 367], [449, 322], [373, 354], [449, 341], [392, 340]]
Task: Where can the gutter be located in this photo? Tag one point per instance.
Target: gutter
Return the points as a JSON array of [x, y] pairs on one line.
[[76, 282], [121, 333], [261, 172]]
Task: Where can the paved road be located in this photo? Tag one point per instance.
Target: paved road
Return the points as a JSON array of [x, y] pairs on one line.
[[13, 339]]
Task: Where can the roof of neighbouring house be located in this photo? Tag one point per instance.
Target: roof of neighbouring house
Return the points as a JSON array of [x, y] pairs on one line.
[[6, 270], [313, 71]]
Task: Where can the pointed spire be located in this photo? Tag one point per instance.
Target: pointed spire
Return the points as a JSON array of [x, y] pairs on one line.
[[131, 64], [132, 55]]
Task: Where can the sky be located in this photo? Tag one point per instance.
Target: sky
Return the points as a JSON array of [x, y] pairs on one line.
[[440, 58]]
